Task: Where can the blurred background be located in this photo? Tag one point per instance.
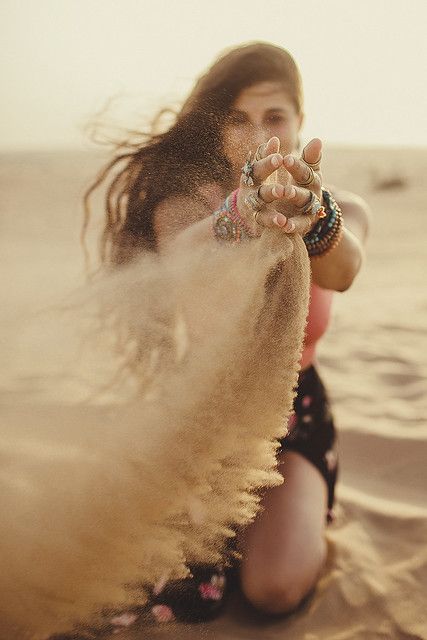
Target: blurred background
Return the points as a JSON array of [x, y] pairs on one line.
[[364, 63]]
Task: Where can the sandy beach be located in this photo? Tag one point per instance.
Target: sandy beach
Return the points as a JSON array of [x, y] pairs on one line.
[[373, 360]]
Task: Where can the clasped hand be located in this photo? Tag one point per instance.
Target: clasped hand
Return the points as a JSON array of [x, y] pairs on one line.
[[284, 200]]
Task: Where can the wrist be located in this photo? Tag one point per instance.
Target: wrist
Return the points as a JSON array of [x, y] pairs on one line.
[[229, 224], [244, 215], [327, 231]]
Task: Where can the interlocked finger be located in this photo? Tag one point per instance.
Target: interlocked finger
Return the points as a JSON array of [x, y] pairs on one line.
[[298, 196], [301, 224], [260, 153], [271, 192], [267, 217], [312, 154], [314, 165], [254, 201], [309, 179], [255, 172], [302, 173], [257, 199]]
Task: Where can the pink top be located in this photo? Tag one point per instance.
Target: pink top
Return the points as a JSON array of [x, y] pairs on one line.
[[320, 299], [317, 321]]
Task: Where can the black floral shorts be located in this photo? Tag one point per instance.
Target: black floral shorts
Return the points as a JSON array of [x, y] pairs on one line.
[[198, 598], [312, 431]]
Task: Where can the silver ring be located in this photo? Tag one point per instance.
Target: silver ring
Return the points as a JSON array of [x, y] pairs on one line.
[[248, 172], [313, 206], [255, 216], [254, 201], [258, 155], [311, 178], [306, 208], [314, 165]]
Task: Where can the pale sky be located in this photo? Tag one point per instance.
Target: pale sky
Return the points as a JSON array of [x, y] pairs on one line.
[[364, 62]]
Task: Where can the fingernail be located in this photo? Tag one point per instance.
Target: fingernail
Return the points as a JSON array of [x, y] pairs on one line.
[[290, 226], [289, 161], [275, 161], [276, 192], [279, 220]]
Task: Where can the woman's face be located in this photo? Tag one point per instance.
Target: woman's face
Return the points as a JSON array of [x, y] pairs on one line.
[[258, 113]]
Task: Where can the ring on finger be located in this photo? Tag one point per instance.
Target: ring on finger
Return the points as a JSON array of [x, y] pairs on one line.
[[248, 171], [259, 153], [313, 207], [255, 216], [311, 178], [314, 165], [254, 201]]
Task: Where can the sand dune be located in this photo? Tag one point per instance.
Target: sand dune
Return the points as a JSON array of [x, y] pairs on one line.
[[373, 360]]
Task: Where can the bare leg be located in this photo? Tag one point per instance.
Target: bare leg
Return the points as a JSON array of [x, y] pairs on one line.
[[284, 548]]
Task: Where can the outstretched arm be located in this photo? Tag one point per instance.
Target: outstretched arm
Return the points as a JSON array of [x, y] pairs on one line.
[[336, 269]]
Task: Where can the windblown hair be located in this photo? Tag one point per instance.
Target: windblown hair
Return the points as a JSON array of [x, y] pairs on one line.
[[189, 154], [103, 501]]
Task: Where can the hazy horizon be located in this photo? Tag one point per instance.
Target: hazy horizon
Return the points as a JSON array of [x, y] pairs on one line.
[[361, 64], [98, 150]]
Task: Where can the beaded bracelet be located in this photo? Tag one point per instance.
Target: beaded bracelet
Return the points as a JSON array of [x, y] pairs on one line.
[[328, 231], [228, 223]]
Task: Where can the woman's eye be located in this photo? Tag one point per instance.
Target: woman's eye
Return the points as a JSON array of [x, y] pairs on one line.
[[276, 120]]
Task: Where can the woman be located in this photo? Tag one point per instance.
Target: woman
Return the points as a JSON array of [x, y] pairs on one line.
[[250, 100]]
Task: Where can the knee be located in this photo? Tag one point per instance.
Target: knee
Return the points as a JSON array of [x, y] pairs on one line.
[[279, 593], [275, 598], [281, 590]]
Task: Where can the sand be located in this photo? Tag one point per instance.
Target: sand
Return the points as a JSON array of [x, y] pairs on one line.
[[373, 361]]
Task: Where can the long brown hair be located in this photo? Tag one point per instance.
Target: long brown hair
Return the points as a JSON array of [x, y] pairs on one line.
[[187, 155]]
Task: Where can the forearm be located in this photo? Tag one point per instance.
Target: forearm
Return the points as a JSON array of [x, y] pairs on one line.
[[337, 269]]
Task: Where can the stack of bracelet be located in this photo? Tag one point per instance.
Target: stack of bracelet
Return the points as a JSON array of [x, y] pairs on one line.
[[327, 232], [228, 223]]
